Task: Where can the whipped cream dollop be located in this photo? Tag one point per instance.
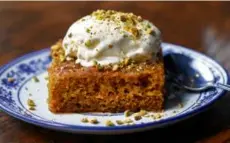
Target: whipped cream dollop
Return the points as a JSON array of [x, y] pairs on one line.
[[109, 37]]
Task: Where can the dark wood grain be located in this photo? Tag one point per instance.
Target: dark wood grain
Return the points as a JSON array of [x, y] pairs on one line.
[[30, 26]]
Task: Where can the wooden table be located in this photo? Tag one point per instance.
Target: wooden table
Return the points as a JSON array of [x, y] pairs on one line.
[[204, 26]]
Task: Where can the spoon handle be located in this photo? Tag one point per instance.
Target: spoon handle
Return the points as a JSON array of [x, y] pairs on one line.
[[223, 86]]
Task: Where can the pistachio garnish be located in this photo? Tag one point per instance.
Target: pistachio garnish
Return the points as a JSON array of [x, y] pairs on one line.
[[35, 79], [94, 121], [70, 35], [84, 120], [109, 123], [30, 102], [180, 105], [88, 30], [91, 43], [100, 67], [31, 108], [88, 43], [158, 116], [128, 113], [128, 121], [137, 117], [119, 122]]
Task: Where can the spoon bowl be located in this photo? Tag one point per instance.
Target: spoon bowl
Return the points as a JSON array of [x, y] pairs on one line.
[[190, 73]]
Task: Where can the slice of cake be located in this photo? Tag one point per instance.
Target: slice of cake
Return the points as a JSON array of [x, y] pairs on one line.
[[108, 61]]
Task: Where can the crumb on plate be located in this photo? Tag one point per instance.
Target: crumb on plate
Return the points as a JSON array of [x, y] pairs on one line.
[[109, 123]]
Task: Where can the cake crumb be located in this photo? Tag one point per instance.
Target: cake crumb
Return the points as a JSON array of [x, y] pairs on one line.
[[110, 46], [10, 79], [142, 112], [35, 79], [94, 121], [119, 122], [115, 67], [109, 123], [84, 120]]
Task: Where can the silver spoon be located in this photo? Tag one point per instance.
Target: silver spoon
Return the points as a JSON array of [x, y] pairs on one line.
[[190, 73]]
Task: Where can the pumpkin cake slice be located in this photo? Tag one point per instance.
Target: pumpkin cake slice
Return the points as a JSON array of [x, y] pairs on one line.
[[108, 61]]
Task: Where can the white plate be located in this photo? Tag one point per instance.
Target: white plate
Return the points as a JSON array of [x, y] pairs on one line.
[[14, 96]]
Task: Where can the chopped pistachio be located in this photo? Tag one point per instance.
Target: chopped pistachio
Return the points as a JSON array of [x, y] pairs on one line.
[[84, 120], [109, 123], [65, 45], [70, 35], [35, 79], [124, 36], [99, 17], [94, 62], [158, 116], [88, 30], [94, 121], [148, 25], [88, 43], [46, 78], [119, 122], [30, 103], [137, 117], [128, 113], [180, 105], [91, 43], [32, 108], [128, 121], [100, 67]]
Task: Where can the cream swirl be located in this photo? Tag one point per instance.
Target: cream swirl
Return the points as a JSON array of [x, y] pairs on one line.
[[109, 37]]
